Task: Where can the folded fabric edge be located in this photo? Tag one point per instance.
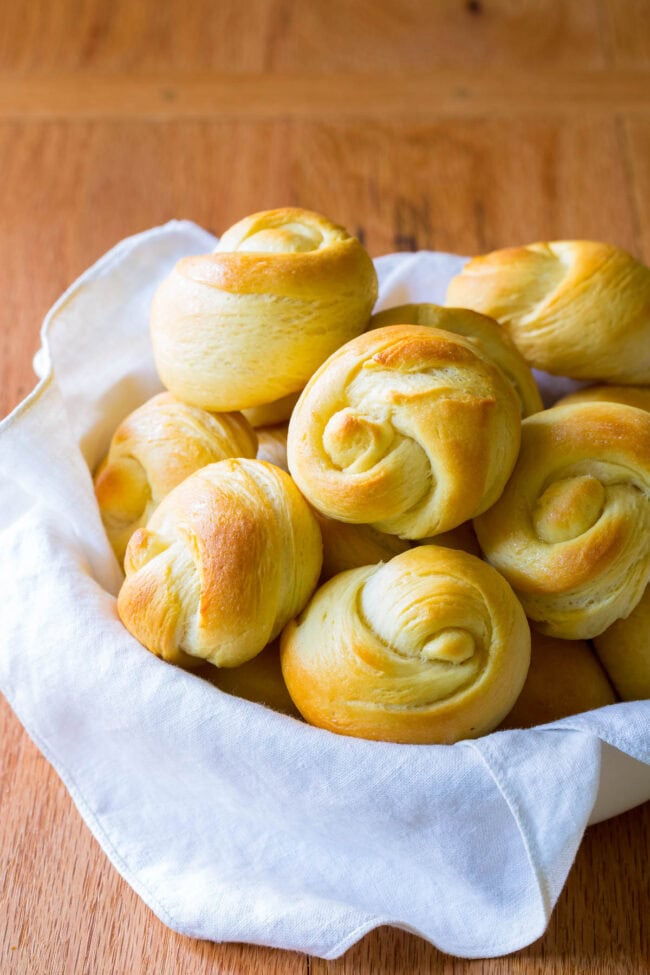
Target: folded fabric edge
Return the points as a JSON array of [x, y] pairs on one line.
[[165, 915], [42, 361]]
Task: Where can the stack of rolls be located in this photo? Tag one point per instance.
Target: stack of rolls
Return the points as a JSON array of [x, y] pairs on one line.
[[366, 519]]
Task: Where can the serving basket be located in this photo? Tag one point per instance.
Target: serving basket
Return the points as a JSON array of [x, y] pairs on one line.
[[231, 821]]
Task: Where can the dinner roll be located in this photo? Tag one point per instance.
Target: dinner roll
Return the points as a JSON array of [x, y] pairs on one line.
[[408, 428], [638, 396], [571, 530], [624, 650], [272, 414], [347, 546], [248, 324], [272, 445], [463, 538], [573, 307], [154, 449], [259, 680], [488, 336], [565, 678], [227, 559], [430, 647]]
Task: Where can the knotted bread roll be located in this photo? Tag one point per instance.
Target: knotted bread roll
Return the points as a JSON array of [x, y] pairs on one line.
[[565, 678], [249, 323], [272, 445], [431, 647], [272, 414], [571, 530], [407, 428], [573, 307], [154, 449], [227, 559], [462, 538], [484, 333], [347, 546], [259, 680], [624, 650], [638, 396]]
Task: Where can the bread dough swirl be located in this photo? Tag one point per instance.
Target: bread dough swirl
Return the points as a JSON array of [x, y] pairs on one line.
[[484, 333], [226, 560], [571, 531], [248, 324], [406, 428], [154, 449], [430, 647], [573, 307]]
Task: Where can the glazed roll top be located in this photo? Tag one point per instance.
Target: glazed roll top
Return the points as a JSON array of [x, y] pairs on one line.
[[227, 559], [430, 647], [571, 531], [490, 339], [153, 450], [248, 324], [573, 307], [406, 428]]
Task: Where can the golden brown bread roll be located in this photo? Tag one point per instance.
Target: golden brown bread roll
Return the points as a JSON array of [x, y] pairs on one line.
[[272, 445], [462, 538], [227, 559], [573, 307], [249, 323], [347, 546], [272, 414], [565, 678], [430, 647], [624, 650], [487, 335], [406, 428], [259, 680], [570, 531], [638, 396], [154, 449]]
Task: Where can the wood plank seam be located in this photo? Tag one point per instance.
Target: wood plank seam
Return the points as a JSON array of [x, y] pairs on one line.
[[437, 93]]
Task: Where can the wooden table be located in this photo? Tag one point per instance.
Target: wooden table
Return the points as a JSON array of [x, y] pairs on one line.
[[459, 126]]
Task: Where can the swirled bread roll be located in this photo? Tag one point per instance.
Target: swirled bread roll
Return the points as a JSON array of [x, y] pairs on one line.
[[462, 538], [406, 428], [249, 323], [573, 307], [154, 449], [571, 530], [430, 647], [624, 650], [487, 335], [272, 414], [226, 560], [347, 546], [272, 445], [259, 680], [638, 396], [565, 678]]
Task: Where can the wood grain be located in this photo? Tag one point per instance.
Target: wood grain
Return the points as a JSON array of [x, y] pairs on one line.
[[150, 36], [443, 93], [458, 126]]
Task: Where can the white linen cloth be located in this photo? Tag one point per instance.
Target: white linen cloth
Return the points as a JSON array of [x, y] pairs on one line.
[[232, 822]]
